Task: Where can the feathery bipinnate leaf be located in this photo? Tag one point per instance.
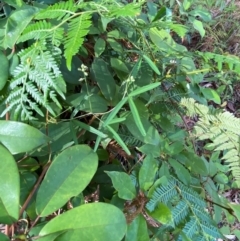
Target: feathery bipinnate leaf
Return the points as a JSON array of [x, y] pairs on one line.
[[78, 28]]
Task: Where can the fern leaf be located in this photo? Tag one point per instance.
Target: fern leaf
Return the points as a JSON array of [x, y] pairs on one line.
[[190, 228], [36, 31], [210, 230], [57, 11], [190, 195], [180, 212], [162, 194], [131, 9], [78, 29]]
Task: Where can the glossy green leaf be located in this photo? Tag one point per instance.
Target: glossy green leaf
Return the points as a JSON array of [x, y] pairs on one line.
[[93, 221], [143, 89], [14, 3], [68, 175], [137, 230], [120, 68], [123, 184], [151, 64], [115, 45], [3, 70], [104, 78], [162, 214], [94, 104], [19, 137], [10, 187], [51, 236], [147, 173], [181, 172], [16, 23], [3, 237], [99, 47], [136, 116]]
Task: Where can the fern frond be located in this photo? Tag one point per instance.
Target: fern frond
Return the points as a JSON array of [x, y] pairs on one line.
[[162, 194], [37, 80], [57, 11], [77, 29], [36, 30], [191, 196], [222, 128], [210, 230], [232, 61], [180, 212], [129, 10], [190, 228]]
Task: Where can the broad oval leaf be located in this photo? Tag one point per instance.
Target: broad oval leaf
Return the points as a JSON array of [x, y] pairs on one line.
[[3, 70], [93, 221], [123, 184], [137, 230], [19, 137], [147, 172], [16, 23], [3, 237], [10, 187], [69, 174], [104, 79]]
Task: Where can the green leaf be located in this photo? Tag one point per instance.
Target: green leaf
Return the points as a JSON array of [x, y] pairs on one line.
[[162, 214], [147, 172], [78, 29], [143, 89], [120, 68], [99, 47], [3, 237], [115, 111], [137, 230], [136, 116], [119, 140], [16, 23], [93, 221], [93, 104], [202, 13], [181, 172], [90, 129], [19, 137], [199, 27], [115, 45], [68, 175], [151, 64], [221, 178], [3, 70], [193, 162], [236, 209], [10, 187], [211, 94], [104, 78], [123, 184], [163, 40]]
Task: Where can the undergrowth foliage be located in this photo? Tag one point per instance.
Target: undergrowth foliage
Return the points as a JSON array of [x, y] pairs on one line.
[[111, 128]]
